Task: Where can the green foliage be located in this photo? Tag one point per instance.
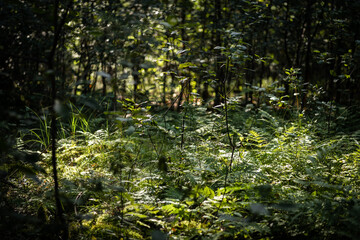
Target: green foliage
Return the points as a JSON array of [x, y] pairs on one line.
[[40, 135], [286, 181], [187, 119]]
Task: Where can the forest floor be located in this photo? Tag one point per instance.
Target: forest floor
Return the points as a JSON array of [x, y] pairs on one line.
[[151, 174]]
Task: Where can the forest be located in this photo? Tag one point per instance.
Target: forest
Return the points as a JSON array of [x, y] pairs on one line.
[[179, 119]]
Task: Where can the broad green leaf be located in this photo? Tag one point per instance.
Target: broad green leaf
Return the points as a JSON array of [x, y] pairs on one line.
[[130, 130]]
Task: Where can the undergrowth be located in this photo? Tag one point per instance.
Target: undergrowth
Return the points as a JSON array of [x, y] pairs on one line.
[[289, 178]]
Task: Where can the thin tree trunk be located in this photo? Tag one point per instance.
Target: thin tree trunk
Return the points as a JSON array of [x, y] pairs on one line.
[[136, 82], [219, 58], [309, 36], [63, 232], [103, 81]]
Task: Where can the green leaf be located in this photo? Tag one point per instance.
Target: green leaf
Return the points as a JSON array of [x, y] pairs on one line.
[[208, 192], [169, 208], [165, 24], [135, 214], [124, 119], [130, 130], [182, 51], [185, 65], [258, 209]]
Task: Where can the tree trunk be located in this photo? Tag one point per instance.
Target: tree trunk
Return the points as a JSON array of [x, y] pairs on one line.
[[219, 57], [63, 231]]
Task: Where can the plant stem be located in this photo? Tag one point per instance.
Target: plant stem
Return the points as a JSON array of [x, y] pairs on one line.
[[232, 145]]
